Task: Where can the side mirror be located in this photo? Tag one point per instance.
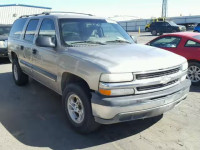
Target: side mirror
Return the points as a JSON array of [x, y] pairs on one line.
[[134, 38], [46, 41]]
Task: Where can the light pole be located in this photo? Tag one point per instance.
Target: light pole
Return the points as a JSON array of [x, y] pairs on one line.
[[164, 8]]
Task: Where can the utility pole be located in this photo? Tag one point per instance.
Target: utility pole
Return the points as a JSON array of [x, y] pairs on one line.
[[164, 9]]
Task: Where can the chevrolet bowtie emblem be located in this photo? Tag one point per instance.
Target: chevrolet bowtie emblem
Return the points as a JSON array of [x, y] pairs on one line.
[[165, 80]]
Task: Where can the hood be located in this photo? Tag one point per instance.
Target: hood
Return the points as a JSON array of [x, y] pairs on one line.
[[3, 37], [127, 57]]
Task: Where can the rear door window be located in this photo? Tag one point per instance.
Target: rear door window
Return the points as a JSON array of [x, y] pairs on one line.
[[17, 28], [191, 43], [166, 42], [31, 30]]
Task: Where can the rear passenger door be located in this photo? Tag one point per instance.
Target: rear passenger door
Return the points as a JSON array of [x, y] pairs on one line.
[[27, 45], [44, 58], [15, 41]]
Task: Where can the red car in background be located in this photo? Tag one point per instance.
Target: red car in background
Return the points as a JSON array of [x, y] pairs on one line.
[[186, 44]]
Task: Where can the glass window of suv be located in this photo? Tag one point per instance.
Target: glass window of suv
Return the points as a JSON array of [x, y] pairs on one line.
[[17, 28], [47, 28], [31, 30], [92, 31], [4, 30], [166, 42], [191, 43], [172, 23], [166, 24]]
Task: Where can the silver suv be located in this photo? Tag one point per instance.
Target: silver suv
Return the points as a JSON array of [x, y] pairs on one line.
[[102, 75]]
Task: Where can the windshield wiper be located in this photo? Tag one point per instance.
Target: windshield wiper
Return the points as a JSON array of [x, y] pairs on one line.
[[90, 42], [118, 41]]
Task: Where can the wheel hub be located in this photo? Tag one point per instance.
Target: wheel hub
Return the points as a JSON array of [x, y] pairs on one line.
[[75, 108], [194, 73]]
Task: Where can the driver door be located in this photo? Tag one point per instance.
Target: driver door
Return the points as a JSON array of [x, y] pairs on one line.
[[45, 58]]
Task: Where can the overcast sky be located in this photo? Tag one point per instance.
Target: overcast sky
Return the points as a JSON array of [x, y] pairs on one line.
[[109, 8]]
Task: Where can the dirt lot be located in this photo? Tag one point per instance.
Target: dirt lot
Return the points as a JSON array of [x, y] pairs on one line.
[[31, 118]]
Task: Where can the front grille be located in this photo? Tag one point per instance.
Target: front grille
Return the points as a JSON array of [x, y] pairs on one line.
[[157, 74], [153, 87]]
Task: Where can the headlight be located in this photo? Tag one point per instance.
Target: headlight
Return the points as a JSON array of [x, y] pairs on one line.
[[123, 77], [184, 66], [3, 44], [116, 78], [116, 92]]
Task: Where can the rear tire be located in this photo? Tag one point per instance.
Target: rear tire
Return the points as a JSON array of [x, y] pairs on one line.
[[147, 29], [19, 77], [194, 73], [154, 32], [77, 106]]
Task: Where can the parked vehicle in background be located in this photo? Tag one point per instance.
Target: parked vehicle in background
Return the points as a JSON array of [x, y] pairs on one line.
[[197, 28], [4, 31], [165, 27], [147, 27], [102, 75], [186, 44]]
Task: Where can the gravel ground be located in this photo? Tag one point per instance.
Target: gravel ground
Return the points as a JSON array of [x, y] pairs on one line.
[[31, 119]]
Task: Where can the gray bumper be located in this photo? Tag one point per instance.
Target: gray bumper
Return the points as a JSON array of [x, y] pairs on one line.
[[109, 110], [3, 52]]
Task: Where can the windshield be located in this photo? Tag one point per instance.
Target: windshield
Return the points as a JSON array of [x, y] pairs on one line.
[[4, 30], [90, 31], [172, 23]]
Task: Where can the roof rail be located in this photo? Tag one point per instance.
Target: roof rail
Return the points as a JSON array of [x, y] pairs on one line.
[[30, 15], [51, 12]]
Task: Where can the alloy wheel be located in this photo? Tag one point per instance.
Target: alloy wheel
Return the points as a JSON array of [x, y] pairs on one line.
[[194, 73], [75, 108]]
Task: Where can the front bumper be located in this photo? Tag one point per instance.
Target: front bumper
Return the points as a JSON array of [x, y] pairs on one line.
[[3, 52], [109, 110]]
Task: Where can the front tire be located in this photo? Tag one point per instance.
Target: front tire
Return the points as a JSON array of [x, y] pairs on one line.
[[194, 73], [174, 31], [19, 77], [154, 32], [77, 106]]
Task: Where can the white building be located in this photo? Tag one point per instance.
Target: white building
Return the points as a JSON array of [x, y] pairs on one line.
[[9, 13]]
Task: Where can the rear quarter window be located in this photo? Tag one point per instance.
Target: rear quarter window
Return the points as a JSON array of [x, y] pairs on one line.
[[191, 43], [17, 28]]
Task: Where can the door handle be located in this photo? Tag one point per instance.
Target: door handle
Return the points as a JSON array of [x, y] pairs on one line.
[[22, 47], [34, 51]]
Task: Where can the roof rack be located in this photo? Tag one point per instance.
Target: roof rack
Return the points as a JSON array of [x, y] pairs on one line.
[[50, 12], [30, 15]]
